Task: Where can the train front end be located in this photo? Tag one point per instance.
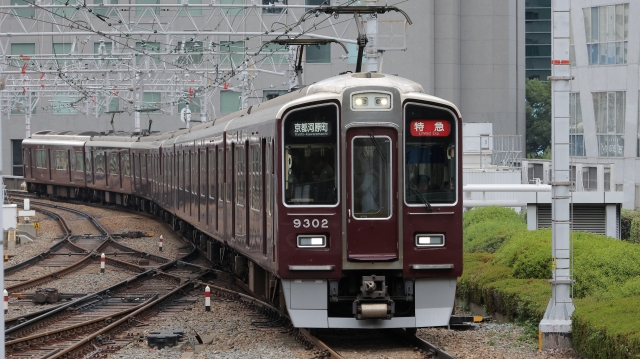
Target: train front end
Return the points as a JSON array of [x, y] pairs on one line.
[[370, 215]]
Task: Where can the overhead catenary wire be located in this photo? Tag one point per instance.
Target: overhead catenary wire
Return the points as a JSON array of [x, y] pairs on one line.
[[221, 77]]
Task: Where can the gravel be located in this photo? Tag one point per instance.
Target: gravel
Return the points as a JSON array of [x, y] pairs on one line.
[[490, 340], [28, 249], [229, 323]]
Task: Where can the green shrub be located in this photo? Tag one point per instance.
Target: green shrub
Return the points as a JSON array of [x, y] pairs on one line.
[[627, 218], [488, 236], [603, 329], [479, 215], [528, 253]]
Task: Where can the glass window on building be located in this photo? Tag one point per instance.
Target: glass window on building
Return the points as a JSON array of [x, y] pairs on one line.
[[192, 102], [64, 103], [320, 54], [576, 127], [147, 10], [104, 50], [114, 105], [149, 48], [190, 54], [606, 30], [538, 39], [233, 10], [104, 10], [16, 155], [231, 50], [271, 94], [274, 54], [275, 6], [62, 52], [152, 100], [191, 10], [20, 103], [317, 2], [23, 12], [229, 101], [20, 53], [609, 108], [590, 178], [68, 11], [352, 56]]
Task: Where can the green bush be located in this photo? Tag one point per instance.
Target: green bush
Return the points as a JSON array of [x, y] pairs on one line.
[[528, 253], [479, 215], [488, 236], [603, 329], [627, 217]]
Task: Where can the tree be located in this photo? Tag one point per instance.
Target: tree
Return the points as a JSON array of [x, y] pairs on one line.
[[538, 107]]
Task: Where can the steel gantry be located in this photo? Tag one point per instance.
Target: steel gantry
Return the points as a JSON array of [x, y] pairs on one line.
[[85, 57]]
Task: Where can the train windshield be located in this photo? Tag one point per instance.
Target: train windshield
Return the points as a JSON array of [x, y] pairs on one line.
[[430, 155], [310, 156]]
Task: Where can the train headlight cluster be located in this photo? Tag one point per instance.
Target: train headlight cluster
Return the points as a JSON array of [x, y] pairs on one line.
[[429, 240], [312, 241], [370, 101]]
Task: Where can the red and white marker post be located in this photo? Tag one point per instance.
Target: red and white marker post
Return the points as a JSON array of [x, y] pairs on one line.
[[6, 302], [102, 263], [160, 243], [207, 299]]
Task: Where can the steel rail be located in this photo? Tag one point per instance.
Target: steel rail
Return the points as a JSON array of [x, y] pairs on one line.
[[74, 350], [420, 343], [39, 338]]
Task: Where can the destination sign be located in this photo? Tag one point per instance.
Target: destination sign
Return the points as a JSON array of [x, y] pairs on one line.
[[430, 128], [310, 129]]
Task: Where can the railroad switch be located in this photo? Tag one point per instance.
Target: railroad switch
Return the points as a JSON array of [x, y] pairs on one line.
[[164, 338], [463, 322]]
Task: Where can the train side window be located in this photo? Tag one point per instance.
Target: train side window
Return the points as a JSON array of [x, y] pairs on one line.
[[113, 163], [88, 162], [212, 173], [310, 156], [240, 183], [203, 172], [254, 177], [126, 164], [194, 172], [41, 159], [61, 160], [180, 171], [229, 174], [220, 174], [79, 161], [430, 155], [99, 161]]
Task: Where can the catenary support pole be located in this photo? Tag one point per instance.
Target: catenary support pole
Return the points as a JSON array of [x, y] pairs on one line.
[[555, 327], [1, 226]]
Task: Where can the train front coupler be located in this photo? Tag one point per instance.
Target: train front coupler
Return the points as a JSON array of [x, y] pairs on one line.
[[373, 301]]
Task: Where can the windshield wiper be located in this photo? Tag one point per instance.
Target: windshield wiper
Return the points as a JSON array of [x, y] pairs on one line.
[[375, 143], [424, 200]]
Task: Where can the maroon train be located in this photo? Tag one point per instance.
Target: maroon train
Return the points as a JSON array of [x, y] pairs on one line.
[[341, 203]]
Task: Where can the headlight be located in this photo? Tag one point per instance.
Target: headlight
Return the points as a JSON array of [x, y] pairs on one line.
[[429, 240], [360, 101], [312, 241], [370, 101]]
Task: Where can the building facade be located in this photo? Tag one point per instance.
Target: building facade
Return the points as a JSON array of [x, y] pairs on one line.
[[469, 52], [604, 57], [538, 39]]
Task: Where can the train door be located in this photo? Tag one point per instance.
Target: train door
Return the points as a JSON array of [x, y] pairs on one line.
[[211, 200], [241, 234], [204, 180], [256, 186], [229, 191], [267, 238], [372, 223], [220, 212]]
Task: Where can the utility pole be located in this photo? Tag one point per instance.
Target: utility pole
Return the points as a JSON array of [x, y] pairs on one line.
[[1, 227], [27, 115], [371, 50], [555, 327]]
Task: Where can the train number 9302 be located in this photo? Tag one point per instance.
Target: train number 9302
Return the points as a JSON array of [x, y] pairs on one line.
[[307, 223]]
